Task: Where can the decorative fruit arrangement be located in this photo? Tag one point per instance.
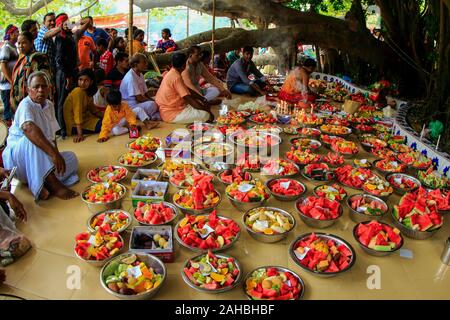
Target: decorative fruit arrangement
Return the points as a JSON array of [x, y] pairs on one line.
[[187, 177], [145, 143], [400, 148], [229, 129], [337, 122], [309, 132], [364, 128], [372, 141], [415, 159], [378, 236], [416, 212], [104, 192], [382, 128], [308, 119], [231, 118], [328, 107], [334, 159], [273, 284], [378, 187], [137, 159], [291, 130], [336, 130], [367, 206], [203, 127], [362, 163], [129, 276], [115, 219], [322, 255], [286, 187], [319, 171], [333, 192], [279, 167], [360, 120], [213, 150], [267, 127], [268, 221], [211, 272], [353, 177], [433, 179], [255, 139], [153, 213], [390, 165], [247, 191], [107, 174], [170, 167], [263, 118], [383, 153], [207, 232], [319, 208], [101, 245], [327, 139], [236, 175], [303, 143], [199, 196], [249, 162], [302, 157], [344, 147], [403, 182]]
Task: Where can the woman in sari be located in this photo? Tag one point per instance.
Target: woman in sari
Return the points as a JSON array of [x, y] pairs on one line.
[[29, 61], [296, 87]]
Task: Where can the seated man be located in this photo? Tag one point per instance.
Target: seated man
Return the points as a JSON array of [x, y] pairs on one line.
[[175, 103], [31, 145], [195, 69], [238, 75]]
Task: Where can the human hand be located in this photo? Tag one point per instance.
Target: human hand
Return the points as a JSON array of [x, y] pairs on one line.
[[78, 138], [68, 83], [59, 163], [18, 208]]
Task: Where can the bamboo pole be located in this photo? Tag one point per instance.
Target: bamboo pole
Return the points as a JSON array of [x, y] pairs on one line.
[[130, 28], [213, 34]]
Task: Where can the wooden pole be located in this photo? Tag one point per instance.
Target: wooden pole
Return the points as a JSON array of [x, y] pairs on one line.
[[130, 28], [213, 34], [187, 22]]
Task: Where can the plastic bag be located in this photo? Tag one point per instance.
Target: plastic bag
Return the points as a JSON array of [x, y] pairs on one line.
[[13, 244]]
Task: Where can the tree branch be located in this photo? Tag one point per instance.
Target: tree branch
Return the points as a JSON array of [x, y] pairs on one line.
[[12, 9]]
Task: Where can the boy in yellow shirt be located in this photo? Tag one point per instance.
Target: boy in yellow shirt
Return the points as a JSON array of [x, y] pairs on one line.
[[119, 118]]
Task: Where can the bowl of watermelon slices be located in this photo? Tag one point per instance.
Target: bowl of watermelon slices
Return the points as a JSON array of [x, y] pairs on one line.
[[319, 212], [442, 199], [365, 207], [284, 189], [156, 214], [416, 216], [311, 252], [107, 174], [236, 175], [377, 238], [273, 283], [403, 183]]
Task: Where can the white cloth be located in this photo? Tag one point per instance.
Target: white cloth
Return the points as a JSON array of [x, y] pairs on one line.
[[150, 108], [211, 93], [190, 115], [132, 85], [121, 128], [99, 100]]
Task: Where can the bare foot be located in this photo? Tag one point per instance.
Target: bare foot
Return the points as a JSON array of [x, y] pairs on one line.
[[151, 124], [45, 194], [66, 193]]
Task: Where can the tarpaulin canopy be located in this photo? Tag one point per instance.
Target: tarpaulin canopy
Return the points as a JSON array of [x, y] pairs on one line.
[[120, 21]]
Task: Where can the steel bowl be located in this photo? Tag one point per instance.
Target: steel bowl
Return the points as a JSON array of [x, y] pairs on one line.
[[149, 150], [130, 219], [345, 135], [383, 172], [263, 173], [150, 261], [197, 133], [326, 236], [401, 191], [176, 215], [245, 206], [269, 238], [100, 207], [312, 179], [199, 250], [358, 166], [213, 159], [226, 183], [313, 142], [185, 187], [413, 234], [217, 166], [197, 212], [221, 290], [314, 137], [315, 192], [100, 263], [277, 141], [361, 217], [282, 197], [283, 269], [373, 252], [165, 175], [134, 168], [314, 223], [101, 167]]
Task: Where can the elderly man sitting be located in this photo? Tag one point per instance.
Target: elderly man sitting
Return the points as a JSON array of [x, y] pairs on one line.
[[31, 145]]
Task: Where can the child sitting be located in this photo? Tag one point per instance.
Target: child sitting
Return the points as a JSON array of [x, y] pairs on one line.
[[100, 96], [119, 118]]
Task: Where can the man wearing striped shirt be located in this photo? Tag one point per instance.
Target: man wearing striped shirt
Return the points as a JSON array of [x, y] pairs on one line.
[[44, 42]]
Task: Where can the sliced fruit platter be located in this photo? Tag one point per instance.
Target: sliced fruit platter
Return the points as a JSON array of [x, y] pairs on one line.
[[114, 220], [307, 119], [433, 179], [335, 130], [377, 187], [331, 192], [345, 148], [327, 140], [334, 160], [362, 163], [360, 120], [302, 156], [322, 254], [319, 208], [442, 199], [212, 273], [247, 191], [369, 141], [263, 118], [133, 276], [392, 138], [416, 216], [267, 127], [199, 127], [415, 159], [199, 198], [305, 143], [249, 162], [364, 128], [155, 213], [135, 159], [337, 122], [206, 232], [382, 128], [294, 130], [213, 150], [187, 177], [236, 175], [145, 143], [107, 174], [400, 147], [309, 133], [403, 183], [231, 118], [268, 221], [170, 167], [254, 139], [104, 192], [389, 165], [286, 189], [328, 107], [273, 283], [280, 167], [318, 172], [209, 137], [228, 129], [377, 238], [99, 245], [364, 207], [382, 153], [352, 177]]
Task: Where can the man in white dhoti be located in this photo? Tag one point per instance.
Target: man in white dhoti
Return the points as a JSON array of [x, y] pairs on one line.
[[31, 145]]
